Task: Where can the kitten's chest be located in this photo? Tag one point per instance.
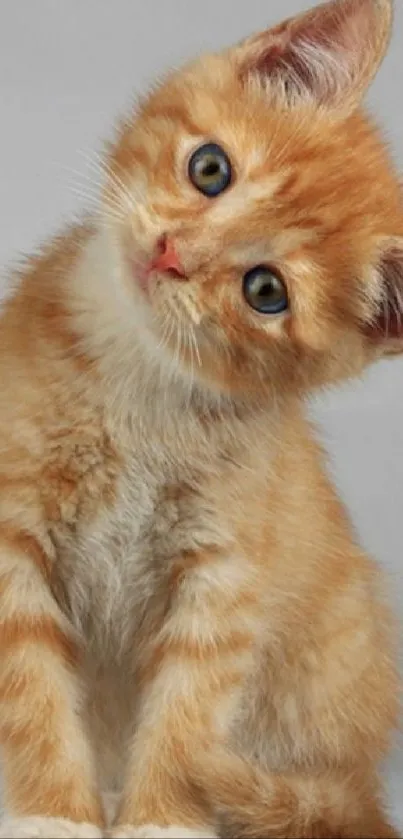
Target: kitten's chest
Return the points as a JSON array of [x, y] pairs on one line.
[[115, 570]]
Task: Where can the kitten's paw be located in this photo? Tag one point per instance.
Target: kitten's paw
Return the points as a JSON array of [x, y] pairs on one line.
[[152, 831], [110, 801], [41, 827]]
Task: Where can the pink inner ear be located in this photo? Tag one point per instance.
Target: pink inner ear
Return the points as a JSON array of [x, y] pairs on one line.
[[389, 320], [336, 26], [282, 59], [319, 30], [324, 50], [388, 324]]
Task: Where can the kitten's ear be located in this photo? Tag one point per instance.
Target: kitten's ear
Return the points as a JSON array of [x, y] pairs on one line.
[[386, 327], [329, 54]]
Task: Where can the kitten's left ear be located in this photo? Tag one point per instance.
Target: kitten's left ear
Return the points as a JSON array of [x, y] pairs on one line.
[[385, 329], [329, 54]]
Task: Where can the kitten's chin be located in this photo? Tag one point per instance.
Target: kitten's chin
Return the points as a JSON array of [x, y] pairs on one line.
[[170, 349]]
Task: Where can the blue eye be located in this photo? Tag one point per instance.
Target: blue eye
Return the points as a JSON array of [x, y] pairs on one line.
[[265, 291], [210, 170]]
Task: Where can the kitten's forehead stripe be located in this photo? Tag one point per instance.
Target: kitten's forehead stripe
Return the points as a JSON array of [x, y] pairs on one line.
[[244, 198]]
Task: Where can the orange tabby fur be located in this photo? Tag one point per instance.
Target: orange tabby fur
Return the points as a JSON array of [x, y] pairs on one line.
[[186, 617]]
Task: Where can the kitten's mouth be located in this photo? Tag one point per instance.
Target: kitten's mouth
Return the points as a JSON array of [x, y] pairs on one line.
[[145, 276]]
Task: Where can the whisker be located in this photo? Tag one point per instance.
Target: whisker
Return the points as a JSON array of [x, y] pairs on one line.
[[118, 181], [196, 346], [190, 345], [83, 177], [89, 191], [102, 165]]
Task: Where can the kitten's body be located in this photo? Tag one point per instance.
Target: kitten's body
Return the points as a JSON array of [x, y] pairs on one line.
[[186, 617]]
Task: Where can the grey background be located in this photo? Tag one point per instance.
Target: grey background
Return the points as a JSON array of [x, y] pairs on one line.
[[67, 68]]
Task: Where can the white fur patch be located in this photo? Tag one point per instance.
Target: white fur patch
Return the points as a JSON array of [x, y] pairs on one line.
[[40, 827], [152, 831]]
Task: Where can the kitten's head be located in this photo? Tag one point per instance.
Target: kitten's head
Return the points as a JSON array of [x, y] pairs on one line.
[[259, 221]]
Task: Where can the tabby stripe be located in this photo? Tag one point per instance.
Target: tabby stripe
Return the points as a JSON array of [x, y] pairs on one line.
[[29, 545], [40, 630]]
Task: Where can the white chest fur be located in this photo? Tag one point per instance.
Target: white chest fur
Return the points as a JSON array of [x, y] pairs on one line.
[[115, 567]]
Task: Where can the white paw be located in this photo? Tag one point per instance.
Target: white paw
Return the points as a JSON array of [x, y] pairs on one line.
[[40, 827], [110, 801], [152, 831]]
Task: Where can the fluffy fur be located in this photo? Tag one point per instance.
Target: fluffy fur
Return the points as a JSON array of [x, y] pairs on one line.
[[186, 616]]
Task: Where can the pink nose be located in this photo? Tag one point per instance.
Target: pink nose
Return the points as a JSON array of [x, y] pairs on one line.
[[167, 259]]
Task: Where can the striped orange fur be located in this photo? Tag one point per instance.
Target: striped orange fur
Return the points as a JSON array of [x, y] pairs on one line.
[[186, 618]]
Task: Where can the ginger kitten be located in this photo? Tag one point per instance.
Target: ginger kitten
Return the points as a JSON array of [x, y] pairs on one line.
[[186, 617]]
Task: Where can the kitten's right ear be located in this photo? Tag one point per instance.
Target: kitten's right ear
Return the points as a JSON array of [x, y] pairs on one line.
[[385, 328], [329, 54]]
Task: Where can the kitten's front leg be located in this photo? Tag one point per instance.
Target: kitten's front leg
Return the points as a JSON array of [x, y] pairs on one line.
[[192, 681], [49, 777]]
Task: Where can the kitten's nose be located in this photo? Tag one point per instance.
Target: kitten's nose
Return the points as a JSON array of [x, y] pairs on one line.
[[167, 259]]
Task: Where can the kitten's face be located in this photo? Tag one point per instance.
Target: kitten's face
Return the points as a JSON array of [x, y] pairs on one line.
[[250, 229]]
